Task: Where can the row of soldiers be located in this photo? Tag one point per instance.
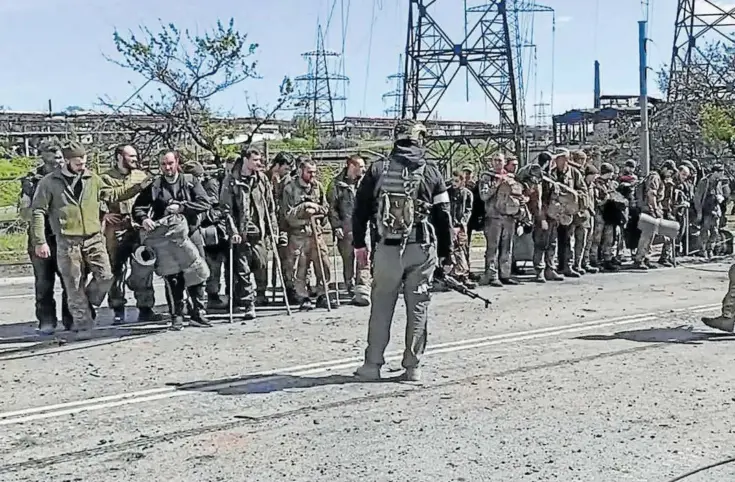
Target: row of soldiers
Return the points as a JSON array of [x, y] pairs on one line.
[[82, 224], [580, 217]]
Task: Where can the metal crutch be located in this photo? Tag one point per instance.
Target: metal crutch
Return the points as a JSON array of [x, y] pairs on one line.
[[334, 264], [276, 257], [321, 264]]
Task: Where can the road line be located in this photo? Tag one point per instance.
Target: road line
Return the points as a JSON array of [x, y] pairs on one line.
[[112, 401]]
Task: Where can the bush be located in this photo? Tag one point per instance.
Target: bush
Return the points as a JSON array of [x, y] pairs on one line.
[[11, 170]]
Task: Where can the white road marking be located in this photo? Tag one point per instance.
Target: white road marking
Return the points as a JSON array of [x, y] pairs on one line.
[[112, 401]]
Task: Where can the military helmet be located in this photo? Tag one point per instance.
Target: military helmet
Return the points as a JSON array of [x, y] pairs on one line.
[[606, 168], [409, 129]]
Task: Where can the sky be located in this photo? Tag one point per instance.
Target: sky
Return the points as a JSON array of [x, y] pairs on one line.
[[55, 49]]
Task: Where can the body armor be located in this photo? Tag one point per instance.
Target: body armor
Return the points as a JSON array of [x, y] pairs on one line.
[[399, 211]]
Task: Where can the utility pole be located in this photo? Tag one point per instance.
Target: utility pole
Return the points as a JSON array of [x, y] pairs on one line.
[[645, 159]]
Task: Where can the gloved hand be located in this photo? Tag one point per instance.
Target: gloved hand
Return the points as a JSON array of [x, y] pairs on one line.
[[339, 233]]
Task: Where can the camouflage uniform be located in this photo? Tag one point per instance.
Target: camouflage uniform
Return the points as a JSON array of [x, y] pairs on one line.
[[249, 201], [45, 270], [668, 209], [460, 205], [341, 198], [576, 230], [288, 264], [582, 227], [216, 245], [603, 234], [122, 240], [649, 197], [726, 320], [74, 215], [304, 245], [707, 202]]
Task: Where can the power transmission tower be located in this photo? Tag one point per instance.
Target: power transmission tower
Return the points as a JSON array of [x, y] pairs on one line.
[[696, 20], [319, 87], [395, 96], [541, 117]]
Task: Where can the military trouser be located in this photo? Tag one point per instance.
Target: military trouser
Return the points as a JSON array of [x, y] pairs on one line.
[[120, 247], [78, 255], [175, 289], [309, 250], [250, 261], [217, 257], [544, 246], [499, 233], [578, 230], [565, 234], [45, 271], [709, 233], [602, 244], [354, 274], [461, 268], [408, 271], [728, 302], [644, 246]]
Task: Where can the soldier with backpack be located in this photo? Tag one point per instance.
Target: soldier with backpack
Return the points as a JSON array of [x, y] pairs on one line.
[[407, 198]]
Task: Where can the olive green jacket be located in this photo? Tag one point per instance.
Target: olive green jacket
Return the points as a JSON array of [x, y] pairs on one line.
[[54, 199], [126, 186]]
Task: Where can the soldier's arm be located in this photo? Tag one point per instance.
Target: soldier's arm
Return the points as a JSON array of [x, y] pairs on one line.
[[142, 205], [488, 187], [441, 216], [467, 208], [199, 202], [364, 206], [579, 185], [335, 217], [40, 208], [119, 190], [271, 205], [292, 212]]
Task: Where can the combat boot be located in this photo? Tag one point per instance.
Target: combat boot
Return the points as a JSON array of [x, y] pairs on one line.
[[177, 323], [722, 323], [361, 297], [197, 314], [610, 266], [665, 262], [552, 275], [571, 273], [368, 372], [412, 374], [306, 305], [640, 265], [588, 268], [580, 270], [509, 281], [488, 279], [469, 284], [119, 316], [321, 302], [247, 312], [539, 278], [148, 315], [216, 303], [47, 327]]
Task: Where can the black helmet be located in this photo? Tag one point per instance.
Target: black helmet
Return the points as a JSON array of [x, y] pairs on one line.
[[409, 129]]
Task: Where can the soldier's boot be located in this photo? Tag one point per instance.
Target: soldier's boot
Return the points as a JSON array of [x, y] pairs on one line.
[[570, 272], [321, 302], [509, 281], [306, 304], [118, 316], [361, 297], [539, 278], [665, 262], [610, 266], [489, 279], [722, 323], [588, 268], [552, 275], [247, 312], [47, 327], [148, 315], [412, 374], [197, 314], [368, 371], [579, 269], [261, 299], [216, 303], [293, 299], [469, 284]]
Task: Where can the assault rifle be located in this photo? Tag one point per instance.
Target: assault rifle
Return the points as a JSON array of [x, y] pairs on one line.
[[455, 285]]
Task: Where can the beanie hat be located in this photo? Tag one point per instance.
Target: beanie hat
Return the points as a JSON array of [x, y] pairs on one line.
[[590, 170], [194, 168], [73, 149], [606, 168]]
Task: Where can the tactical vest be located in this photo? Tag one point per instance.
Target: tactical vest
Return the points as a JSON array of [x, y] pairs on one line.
[[399, 211], [509, 197]]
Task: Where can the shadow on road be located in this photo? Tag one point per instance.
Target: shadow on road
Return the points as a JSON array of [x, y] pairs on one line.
[[262, 384], [684, 334]]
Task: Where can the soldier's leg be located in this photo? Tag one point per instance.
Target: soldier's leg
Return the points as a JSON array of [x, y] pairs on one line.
[[347, 253], [242, 277], [506, 250], [726, 320], [288, 266], [115, 244], [580, 245], [640, 260], [66, 318], [362, 283], [596, 240], [175, 288], [299, 247], [387, 284], [44, 275], [420, 262], [493, 232], [259, 267], [714, 240], [71, 264], [97, 262], [540, 241], [213, 255], [550, 252], [461, 268], [322, 269]]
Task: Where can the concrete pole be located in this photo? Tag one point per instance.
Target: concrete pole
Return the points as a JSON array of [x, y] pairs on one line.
[[645, 160]]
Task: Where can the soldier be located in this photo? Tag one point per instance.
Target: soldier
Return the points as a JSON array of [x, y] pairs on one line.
[[469, 177], [707, 200], [280, 174], [583, 222], [407, 197], [668, 209], [176, 193], [648, 195], [602, 244], [571, 190], [70, 199], [45, 270], [503, 198], [341, 196], [726, 320], [122, 237], [215, 238], [460, 202], [304, 207], [247, 196]]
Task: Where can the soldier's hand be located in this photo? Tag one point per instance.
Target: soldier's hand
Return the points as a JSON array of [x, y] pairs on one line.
[[174, 208], [236, 239], [149, 178], [310, 211], [148, 224], [112, 219], [339, 233], [544, 225], [43, 251], [361, 256]]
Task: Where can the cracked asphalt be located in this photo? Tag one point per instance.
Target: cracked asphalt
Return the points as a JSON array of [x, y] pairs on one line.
[[609, 378]]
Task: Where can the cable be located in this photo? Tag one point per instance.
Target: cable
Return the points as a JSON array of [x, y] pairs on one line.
[[370, 50], [702, 469]]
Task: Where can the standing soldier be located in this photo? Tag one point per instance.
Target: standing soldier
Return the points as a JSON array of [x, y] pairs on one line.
[[279, 175], [174, 192], [407, 197], [247, 197], [460, 202], [503, 198], [571, 188], [70, 199], [648, 195], [304, 208], [707, 200], [668, 209], [341, 196], [45, 270], [122, 237], [608, 216], [583, 223]]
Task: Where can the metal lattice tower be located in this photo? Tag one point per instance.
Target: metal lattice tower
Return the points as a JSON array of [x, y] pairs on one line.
[[541, 117], [395, 96], [318, 89], [697, 22]]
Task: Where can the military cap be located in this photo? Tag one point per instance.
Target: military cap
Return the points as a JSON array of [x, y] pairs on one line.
[[670, 165], [73, 149], [590, 170], [50, 147], [194, 168], [606, 168], [409, 129]]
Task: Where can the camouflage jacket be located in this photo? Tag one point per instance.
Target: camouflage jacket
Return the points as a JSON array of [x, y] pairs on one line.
[[127, 187], [460, 203], [296, 198], [341, 195], [250, 202]]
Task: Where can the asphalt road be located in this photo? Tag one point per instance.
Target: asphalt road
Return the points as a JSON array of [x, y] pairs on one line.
[[608, 378]]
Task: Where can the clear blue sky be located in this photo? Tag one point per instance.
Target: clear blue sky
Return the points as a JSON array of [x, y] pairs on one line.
[[53, 49]]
